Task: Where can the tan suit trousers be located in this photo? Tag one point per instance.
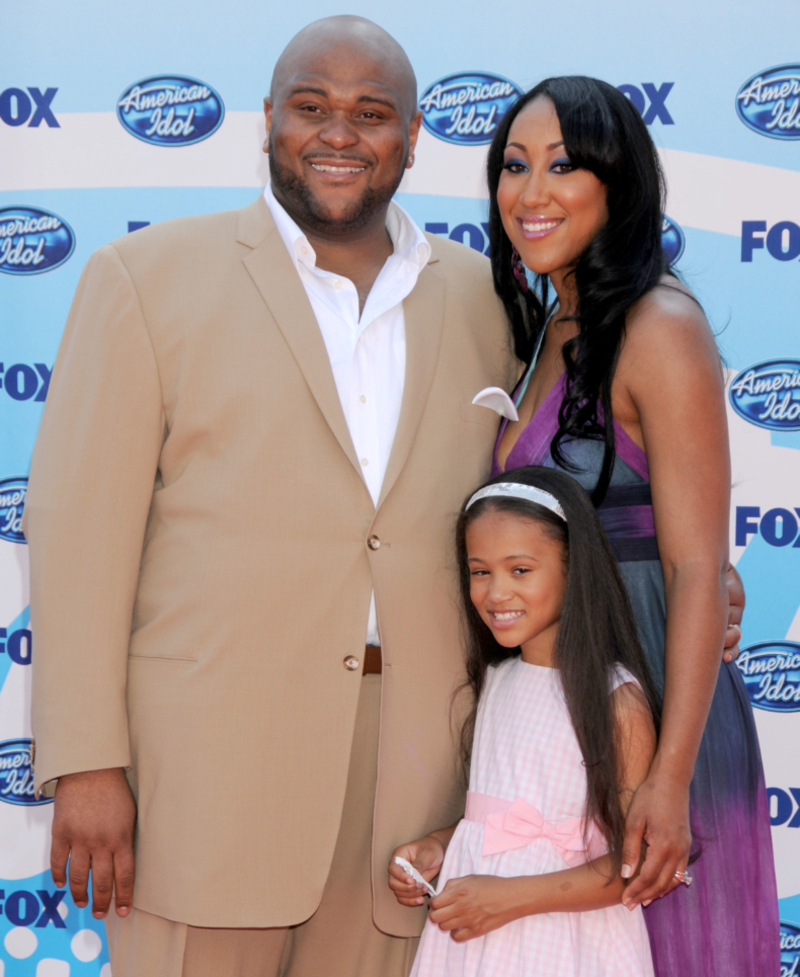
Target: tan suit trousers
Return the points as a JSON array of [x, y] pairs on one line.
[[339, 940]]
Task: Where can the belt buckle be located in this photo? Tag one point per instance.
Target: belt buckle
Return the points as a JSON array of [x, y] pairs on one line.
[[372, 660]]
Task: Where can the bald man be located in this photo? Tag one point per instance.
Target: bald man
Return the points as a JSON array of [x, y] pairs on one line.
[[271, 412]]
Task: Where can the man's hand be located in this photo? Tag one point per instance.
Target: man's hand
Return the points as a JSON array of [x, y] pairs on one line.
[[93, 828], [735, 611]]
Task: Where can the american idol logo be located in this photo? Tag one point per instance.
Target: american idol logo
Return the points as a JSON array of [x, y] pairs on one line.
[[12, 503], [170, 110], [769, 102], [33, 240], [771, 671], [790, 950], [768, 395], [672, 240], [16, 774], [467, 107]]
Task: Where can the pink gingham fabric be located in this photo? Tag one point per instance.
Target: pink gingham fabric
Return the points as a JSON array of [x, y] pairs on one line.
[[525, 751]]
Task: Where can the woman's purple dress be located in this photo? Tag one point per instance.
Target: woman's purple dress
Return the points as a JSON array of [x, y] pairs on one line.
[[726, 923]]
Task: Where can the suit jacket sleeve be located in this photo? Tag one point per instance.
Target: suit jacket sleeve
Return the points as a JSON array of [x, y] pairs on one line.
[[92, 476]]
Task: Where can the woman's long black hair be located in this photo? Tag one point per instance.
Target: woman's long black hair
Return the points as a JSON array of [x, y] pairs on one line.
[[596, 631], [605, 134]]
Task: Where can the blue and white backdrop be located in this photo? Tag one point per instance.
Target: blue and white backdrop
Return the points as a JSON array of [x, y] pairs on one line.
[[112, 117]]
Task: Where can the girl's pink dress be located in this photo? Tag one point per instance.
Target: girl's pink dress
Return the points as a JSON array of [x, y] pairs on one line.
[[524, 817]]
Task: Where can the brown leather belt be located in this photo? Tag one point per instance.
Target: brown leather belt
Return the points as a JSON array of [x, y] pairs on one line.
[[372, 660]]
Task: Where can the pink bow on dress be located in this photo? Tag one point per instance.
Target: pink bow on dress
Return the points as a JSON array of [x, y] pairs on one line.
[[522, 823]]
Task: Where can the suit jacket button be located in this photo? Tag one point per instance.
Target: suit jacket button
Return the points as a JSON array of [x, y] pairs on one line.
[[351, 663], [374, 543]]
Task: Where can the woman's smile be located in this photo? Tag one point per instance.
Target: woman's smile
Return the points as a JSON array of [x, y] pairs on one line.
[[535, 227], [551, 209]]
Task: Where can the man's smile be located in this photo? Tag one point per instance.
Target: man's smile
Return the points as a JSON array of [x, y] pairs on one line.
[[336, 168]]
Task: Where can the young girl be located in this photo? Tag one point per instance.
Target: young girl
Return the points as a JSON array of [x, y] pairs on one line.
[[530, 880]]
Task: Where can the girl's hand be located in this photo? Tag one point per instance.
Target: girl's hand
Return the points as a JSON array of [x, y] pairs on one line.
[[473, 906], [659, 815], [426, 855]]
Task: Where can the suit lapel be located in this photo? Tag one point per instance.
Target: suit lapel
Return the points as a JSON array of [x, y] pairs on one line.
[[276, 278], [424, 320]]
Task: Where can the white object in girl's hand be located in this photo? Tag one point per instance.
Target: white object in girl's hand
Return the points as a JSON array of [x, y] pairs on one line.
[[495, 398], [409, 869]]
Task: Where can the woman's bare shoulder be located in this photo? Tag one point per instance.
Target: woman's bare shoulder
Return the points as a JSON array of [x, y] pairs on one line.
[[667, 322]]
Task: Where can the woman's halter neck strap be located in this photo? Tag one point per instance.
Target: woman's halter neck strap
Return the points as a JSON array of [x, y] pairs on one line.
[[515, 490]]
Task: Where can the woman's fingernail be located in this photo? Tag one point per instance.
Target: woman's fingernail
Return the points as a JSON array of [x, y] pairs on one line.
[[647, 902], [626, 871]]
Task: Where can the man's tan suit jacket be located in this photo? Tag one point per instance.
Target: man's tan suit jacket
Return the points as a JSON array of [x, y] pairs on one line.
[[203, 549]]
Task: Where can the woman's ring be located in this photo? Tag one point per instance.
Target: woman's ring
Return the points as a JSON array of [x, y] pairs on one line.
[[684, 877]]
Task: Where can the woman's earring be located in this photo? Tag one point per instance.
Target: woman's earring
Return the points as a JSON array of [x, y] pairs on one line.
[[518, 269], [410, 161]]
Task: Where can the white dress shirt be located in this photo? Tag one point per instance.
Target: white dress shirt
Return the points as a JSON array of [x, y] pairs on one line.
[[367, 353]]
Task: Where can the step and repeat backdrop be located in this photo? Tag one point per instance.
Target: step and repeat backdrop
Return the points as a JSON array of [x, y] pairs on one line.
[[112, 118]]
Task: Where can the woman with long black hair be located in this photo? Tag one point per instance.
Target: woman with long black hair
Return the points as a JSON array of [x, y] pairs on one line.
[[624, 390]]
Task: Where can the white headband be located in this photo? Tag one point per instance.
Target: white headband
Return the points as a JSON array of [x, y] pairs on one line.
[[517, 491]]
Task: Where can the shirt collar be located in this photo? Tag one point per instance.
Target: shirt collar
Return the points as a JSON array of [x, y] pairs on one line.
[[410, 244]]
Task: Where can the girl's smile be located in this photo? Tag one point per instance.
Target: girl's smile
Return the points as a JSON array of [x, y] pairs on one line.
[[517, 581], [504, 619]]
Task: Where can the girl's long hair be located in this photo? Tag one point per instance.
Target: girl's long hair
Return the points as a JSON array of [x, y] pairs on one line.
[[595, 632], [605, 134]]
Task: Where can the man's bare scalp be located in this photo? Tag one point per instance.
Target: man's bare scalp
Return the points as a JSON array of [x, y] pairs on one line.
[[357, 40]]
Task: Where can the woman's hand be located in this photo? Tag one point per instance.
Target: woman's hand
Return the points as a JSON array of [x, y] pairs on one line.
[[658, 815], [473, 906], [426, 855]]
